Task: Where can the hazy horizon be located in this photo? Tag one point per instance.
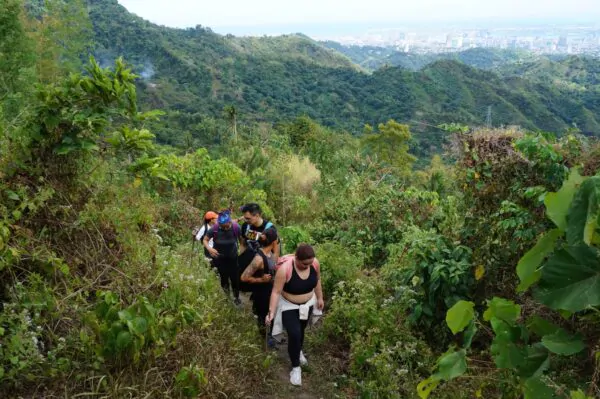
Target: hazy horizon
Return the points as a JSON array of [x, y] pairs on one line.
[[314, 17]]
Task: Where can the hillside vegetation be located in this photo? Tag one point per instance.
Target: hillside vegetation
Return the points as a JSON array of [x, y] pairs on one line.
[[474, 276], [197, 71], [372, 58]]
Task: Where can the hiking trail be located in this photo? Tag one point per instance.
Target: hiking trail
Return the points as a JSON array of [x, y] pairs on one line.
[[314, 385]]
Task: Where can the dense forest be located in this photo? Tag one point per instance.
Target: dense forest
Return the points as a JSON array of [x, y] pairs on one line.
[[195, 71], [474, 275], [372, 58]]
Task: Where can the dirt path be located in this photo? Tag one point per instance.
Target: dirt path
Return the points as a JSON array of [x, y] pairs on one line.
[[314, 386], [311, 383]]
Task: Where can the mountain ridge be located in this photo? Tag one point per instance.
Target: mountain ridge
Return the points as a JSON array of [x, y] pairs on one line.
[[195, 70]]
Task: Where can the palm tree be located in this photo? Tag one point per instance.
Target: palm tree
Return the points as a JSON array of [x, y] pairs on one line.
[[231, 114]]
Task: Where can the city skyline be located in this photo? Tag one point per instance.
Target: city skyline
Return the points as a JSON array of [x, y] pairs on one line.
[[317, 17]]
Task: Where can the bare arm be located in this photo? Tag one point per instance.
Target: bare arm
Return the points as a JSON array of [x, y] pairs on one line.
[[319, 292], [275, 294], [254, 266]]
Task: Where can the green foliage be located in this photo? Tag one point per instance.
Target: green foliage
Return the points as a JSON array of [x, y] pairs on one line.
[[95, 258], [17, 60], [89, 287], [291, 237], [565, 279], [511, 347], [557, 204], [390, 146], [460, 315], [562, 343], [24, 353], [366, 318], [568, 279], [196, 73], [190, 380], [528, 267], [338, 265], [441, 271], [63, 35], [132, 142]]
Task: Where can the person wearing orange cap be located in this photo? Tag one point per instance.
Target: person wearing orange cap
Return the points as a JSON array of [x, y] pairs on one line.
[[210, 218]]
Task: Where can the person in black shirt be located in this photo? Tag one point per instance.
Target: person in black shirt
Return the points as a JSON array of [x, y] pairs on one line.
[[225, 235], [254, 228]]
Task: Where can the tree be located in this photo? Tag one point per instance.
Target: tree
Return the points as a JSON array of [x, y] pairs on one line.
[[16, 58], [62, 32], [231, 114], [390, 145]]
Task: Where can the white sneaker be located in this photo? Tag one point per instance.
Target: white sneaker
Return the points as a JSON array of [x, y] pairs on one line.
[[303, 360], [296, 376]]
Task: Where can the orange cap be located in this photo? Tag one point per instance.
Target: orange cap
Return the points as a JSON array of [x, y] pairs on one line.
[[210, 215]]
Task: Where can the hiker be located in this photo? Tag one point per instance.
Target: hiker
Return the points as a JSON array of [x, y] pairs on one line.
[[254, 229], [298, 283], [257, 278], [225, 235], [210, 219]]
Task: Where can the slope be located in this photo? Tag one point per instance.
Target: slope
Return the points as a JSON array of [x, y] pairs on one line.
[[196, 72], [373, 57]]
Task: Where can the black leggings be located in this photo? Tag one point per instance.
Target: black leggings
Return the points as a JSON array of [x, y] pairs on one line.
[[295, 332], [260, 305], [228, 271]]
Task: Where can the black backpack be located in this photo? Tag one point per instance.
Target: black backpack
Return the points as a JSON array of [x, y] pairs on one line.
[[246, 257]]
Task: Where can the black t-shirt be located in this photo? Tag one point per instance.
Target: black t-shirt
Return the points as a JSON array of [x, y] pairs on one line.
[[250, 232], [225, 242]]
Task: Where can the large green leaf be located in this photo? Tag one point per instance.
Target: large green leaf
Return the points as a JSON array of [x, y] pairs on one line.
[[139, 325], [507, 354], [557, 204], [452, 365], [537, 360], [469, 334], [502, 309], [534, 388], [528, 267], [571, 279], [460, 315], [563, 343], [425, 387], [584, 213], [579, 394], [124, 339], [541, 326]]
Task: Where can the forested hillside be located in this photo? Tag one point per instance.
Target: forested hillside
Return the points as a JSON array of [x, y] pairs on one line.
[[372, 57], [475, 275], [196, 70]]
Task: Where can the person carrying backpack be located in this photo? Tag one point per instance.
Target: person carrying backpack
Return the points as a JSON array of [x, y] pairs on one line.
[[254, 228], [296, 295], [225, 235], [210, 219], [256, 277]]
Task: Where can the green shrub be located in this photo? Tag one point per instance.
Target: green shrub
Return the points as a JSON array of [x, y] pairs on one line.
[[338, 264], [386, 359], [291, 236], [438, 270]]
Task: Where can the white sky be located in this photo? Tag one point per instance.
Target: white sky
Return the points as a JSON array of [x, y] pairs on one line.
[[186, 13]]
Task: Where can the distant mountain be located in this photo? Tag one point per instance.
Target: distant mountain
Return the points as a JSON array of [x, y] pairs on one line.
[[577, 73], [372, 57], [193, 73]]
